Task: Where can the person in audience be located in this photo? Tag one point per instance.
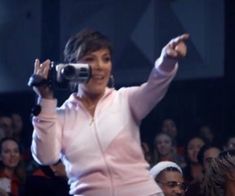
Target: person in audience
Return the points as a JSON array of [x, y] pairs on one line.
[[164, 150], [96, 131], [6, 126], [169, 176], [20, 133], [193, 171], [169, 127], [47, 180], [205, 156], [12, 171], [230, 143], [207, 134], [220, 177], [17, 126]]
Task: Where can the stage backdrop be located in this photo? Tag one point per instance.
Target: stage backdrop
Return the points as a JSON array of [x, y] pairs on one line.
[[138, 29]]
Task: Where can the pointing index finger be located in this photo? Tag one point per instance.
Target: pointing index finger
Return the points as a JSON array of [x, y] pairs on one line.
[[179, 39]]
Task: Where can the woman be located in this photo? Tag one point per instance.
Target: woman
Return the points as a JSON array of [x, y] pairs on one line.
[[205, 156], [164, 150], [12, 173], [96, 131], [220, 176], [193, 172], [170, 178]]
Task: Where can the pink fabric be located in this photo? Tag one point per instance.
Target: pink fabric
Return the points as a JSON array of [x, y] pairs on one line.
[[102, 154]]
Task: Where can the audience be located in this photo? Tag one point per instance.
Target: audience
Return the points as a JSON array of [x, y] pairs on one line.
[[220, 177], [47, 181], [193, 171], [164, 150], [199, 167], [6, 126], [169, 127], [207, 134], [12, 171], [230, 143], [17, 126], [205, 156], [168, 175]]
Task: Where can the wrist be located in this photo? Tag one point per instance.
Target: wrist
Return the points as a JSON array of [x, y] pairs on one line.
[[166, 64]]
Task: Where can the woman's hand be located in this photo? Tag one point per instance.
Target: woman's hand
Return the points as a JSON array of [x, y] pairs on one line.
[[42, 69], [173, 51], [176, 48]]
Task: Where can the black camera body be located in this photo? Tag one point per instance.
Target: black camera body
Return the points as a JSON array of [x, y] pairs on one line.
[[63, 76]]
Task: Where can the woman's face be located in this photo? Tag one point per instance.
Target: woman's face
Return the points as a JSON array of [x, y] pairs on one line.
[[193, 148], [172, 183], [163, 144], [209, 155], [101, 65], [169, 127], [231, 143], [10, 154]]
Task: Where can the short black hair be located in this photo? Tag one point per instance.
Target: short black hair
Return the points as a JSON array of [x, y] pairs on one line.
[[84, 42]]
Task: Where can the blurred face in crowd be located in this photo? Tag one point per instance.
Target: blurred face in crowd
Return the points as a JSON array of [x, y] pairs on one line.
[[163, 144], [17, 123], [101, 65], [206, 132], [231, 143], [6, 125], [171, 183], [209, 155], [169, 127], [10, 154], [193, 148]]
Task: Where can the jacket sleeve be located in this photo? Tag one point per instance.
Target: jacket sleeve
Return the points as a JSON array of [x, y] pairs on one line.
[[144, 98], [47, 134]]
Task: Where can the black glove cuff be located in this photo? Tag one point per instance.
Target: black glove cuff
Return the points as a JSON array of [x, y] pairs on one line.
[[37, 80]]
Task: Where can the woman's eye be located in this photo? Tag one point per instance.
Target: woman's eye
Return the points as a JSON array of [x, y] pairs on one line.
[[107, 59]]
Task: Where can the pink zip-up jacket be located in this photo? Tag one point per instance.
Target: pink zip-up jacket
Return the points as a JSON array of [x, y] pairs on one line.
[[102, 154]]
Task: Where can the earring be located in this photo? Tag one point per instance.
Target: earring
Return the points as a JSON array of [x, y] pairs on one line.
[[111, 82]]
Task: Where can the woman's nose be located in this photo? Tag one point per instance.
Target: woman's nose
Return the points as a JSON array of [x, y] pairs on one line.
[[98, 64]]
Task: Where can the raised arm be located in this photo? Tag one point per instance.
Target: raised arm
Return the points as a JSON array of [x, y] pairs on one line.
[[142, 99], [46, 139]]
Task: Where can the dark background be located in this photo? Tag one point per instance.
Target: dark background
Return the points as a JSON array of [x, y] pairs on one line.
[[203, 90]]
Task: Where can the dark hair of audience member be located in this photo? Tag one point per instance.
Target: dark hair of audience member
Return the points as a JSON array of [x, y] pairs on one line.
[[220, 177]]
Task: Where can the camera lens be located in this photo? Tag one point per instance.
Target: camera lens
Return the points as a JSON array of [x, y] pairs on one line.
[[68, 72]]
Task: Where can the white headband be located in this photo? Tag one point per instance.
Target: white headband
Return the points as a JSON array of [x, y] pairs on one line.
[[154, 171]]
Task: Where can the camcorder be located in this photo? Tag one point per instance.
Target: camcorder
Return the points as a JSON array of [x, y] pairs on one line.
[[63, 76]]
